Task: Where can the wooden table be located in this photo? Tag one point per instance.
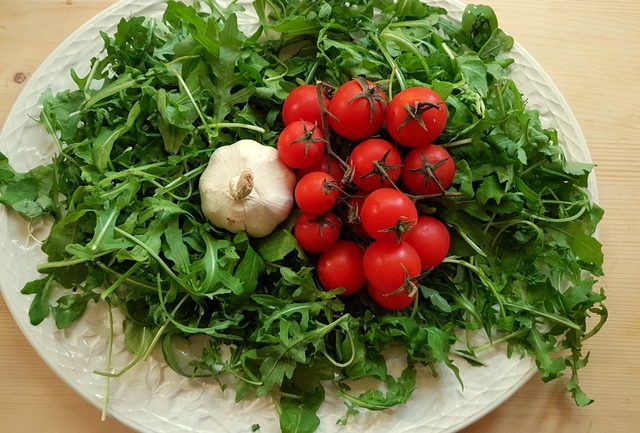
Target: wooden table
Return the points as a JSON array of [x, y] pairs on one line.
[[590, 48]]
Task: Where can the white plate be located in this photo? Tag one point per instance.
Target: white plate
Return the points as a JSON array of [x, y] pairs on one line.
[[151, 397]]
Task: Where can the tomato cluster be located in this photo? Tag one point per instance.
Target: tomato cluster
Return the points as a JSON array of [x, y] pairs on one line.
[[355, 214]]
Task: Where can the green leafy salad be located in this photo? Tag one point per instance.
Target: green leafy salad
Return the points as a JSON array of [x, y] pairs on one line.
[[135, 136]]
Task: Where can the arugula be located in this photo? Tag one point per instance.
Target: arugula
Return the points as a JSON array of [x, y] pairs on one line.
[[138, 130]]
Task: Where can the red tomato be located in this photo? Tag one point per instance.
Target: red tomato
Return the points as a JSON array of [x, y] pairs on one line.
[[316, 192], [359, 109], [416, 116], [326, 164], [391, 302], [342, 266], [387, 214], [426, 166], [302, 104], [366, 175], [301, 144], [389, 267], [317, 233], [430, 238]]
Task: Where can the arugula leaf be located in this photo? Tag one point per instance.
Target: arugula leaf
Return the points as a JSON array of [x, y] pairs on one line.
[[27, 193], [39, 309], [277, 246], [248, 271], [474, 72], [398, 391], [299, 415], [479, 22], [70, 307]]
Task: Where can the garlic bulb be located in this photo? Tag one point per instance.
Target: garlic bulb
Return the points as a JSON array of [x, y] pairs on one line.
[[246, 187]]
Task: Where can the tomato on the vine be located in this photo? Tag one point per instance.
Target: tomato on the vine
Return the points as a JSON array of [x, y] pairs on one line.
[[416, 116], [301, 144], [327, 164], [302, 104], [391, 269], [357, 109], [316, 192], [317, 233], [376, 163], [342, 267], [430, 238], [388, 214], [428, 169]]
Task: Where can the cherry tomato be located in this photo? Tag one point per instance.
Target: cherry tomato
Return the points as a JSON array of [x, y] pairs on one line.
[[342, 266], [430, 238], [416, 116], [366, 174], [301, 144], [391, 302], [390, 267], [388, 214], [316, 192], [427, 166], [317, 233], [302, 104], [359, 109], [326, 164]]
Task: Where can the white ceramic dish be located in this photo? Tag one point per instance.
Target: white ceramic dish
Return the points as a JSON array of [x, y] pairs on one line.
[[152, 398]]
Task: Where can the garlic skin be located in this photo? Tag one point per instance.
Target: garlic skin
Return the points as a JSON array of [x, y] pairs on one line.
[[246, 187]]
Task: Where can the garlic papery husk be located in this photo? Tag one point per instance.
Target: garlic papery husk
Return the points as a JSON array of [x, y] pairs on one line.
[[246, 187]]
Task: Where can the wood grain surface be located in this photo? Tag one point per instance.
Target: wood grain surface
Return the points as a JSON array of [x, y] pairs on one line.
[[592, 51]]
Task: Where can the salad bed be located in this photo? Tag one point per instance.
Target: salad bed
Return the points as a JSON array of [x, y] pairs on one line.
[[129, 229]]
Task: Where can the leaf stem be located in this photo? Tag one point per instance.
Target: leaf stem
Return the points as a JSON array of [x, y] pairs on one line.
[[72, 262], [539, 232], [144, 355], [604, 314], [351, 359], [484, 279], [233, 125], [457, 143], [497, 341], [157, 258], [447, 50], [129, 281], [408, 45], [552, 317], [468, 240], [184, 86], [392, 63], [120, 280], [130, 171], [107, 390]]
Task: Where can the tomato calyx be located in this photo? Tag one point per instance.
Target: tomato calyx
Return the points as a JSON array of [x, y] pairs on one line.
[[308, 139], [353, 214], [409, 285], [415, 112], [371, 93], [402, 225], [381, 168], [330, 185], [428, 170], [323, 221]]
